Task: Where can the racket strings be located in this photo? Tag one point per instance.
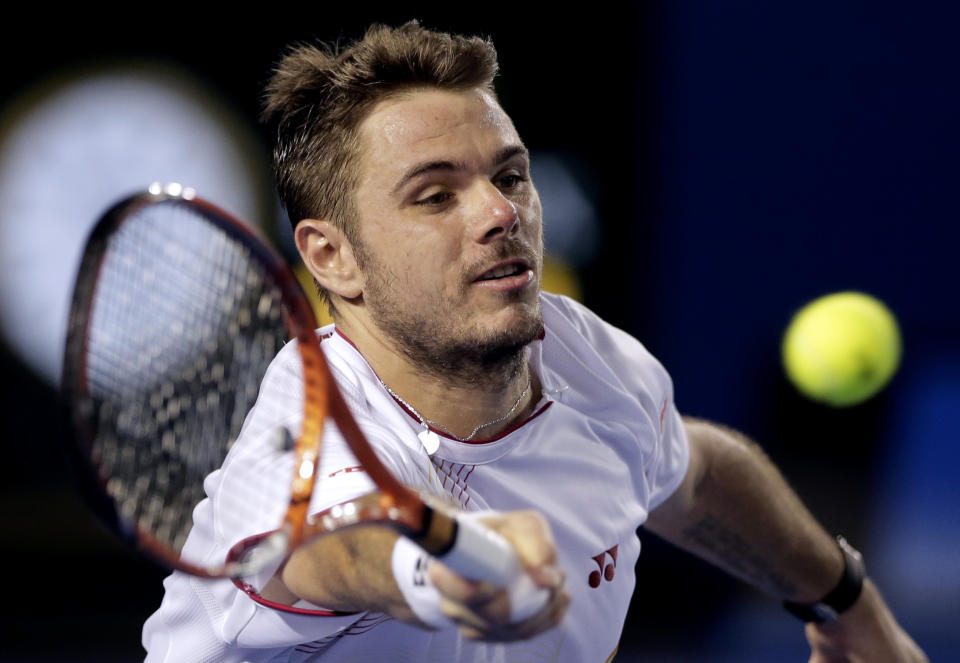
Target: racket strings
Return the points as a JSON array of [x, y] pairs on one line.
[[183, 325]]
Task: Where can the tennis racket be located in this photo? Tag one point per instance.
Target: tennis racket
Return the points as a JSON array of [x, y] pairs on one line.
[[177, 311]]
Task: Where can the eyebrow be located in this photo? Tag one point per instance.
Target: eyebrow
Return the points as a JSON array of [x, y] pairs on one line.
[[503, 155]]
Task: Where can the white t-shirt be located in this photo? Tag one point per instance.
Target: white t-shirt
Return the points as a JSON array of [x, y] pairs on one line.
[[603, 447]]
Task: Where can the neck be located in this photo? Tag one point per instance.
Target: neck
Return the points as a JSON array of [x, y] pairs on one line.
[[457, 399]]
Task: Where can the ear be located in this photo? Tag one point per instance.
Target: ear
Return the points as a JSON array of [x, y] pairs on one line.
[[329, 256]]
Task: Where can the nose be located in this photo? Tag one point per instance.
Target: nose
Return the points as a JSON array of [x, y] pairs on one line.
[[497, 215]]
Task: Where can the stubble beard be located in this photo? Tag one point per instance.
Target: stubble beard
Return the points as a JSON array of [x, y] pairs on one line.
[[439, 341]]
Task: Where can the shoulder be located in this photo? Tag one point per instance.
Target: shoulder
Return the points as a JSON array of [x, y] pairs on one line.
[[389, 429], [353, 375], [281, 392], [574, 334], [572, 322], [607, 375]]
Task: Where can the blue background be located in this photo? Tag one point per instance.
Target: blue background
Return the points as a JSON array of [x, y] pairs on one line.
[[743, 158]]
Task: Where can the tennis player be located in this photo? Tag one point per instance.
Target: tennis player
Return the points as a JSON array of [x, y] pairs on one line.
[[417, 216]]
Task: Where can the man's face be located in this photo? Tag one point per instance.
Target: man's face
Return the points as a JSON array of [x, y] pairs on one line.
[[450, 229]]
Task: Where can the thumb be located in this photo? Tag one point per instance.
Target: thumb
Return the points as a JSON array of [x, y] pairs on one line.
[[822, 651], [820, 657]]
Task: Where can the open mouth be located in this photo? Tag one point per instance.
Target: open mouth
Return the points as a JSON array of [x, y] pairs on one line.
[[504, 271]]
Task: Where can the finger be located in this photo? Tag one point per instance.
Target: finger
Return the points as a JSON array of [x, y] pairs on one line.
[[458, 589], [530, 536], [544, 620], [826, 656], [819, 657], [529, 629], [465, 617], [481, 625], [483, 615], [548, 576], [822, 649]]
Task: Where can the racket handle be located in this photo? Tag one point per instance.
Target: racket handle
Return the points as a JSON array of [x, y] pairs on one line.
[[479, 553]]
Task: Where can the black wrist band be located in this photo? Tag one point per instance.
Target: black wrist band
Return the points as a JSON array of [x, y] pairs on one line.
[[844, 595]]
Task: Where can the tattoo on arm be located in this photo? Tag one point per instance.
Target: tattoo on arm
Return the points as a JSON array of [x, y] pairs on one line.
[[736, 555]]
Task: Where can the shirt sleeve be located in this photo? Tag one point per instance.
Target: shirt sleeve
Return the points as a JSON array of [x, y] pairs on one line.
[[247, 499], [637, 389], [672, 460], [340, 478]]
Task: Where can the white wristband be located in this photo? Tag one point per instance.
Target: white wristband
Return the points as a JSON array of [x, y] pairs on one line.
[[411, 565], [480, 554]]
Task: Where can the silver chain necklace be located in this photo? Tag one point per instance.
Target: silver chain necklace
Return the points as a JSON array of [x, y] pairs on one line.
[[430, 440]]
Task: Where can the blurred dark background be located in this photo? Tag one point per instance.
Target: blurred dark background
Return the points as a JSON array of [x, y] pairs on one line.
[[739, 159]]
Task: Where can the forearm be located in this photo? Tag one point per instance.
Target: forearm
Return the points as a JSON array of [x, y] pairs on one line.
[[738, 512], [349, 572], [735, 509], [357, 570]]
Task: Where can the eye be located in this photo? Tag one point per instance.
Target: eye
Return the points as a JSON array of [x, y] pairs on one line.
[[435, 199], [511, 181]]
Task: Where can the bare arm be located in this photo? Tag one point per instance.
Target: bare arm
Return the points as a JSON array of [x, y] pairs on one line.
[[349, 572], [736, 511], [352, 572]]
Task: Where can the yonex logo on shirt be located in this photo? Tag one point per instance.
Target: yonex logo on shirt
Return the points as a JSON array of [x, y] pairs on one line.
[[605, 572]]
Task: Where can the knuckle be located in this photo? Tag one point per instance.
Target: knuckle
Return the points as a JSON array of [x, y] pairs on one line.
[[533, 520]]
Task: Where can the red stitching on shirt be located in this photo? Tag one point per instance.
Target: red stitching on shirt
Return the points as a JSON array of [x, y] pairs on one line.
[[458, 479], [361, 626], [467, 476]]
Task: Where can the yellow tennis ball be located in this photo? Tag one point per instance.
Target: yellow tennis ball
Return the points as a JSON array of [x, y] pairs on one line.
[[841, 349]]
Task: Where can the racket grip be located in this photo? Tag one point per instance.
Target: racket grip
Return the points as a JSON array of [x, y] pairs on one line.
[[479, 553]]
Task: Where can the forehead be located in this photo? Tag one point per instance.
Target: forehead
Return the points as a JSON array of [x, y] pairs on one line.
[[434, 123]]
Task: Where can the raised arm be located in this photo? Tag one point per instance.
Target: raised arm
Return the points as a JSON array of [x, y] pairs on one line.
[[736, 511]]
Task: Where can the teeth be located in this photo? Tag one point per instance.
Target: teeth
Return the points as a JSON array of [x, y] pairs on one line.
[[500, 272]]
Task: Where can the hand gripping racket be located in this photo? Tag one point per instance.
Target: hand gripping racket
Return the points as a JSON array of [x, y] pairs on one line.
[[177, 311]]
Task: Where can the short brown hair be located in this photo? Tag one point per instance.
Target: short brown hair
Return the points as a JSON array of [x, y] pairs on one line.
[[319, 95]]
